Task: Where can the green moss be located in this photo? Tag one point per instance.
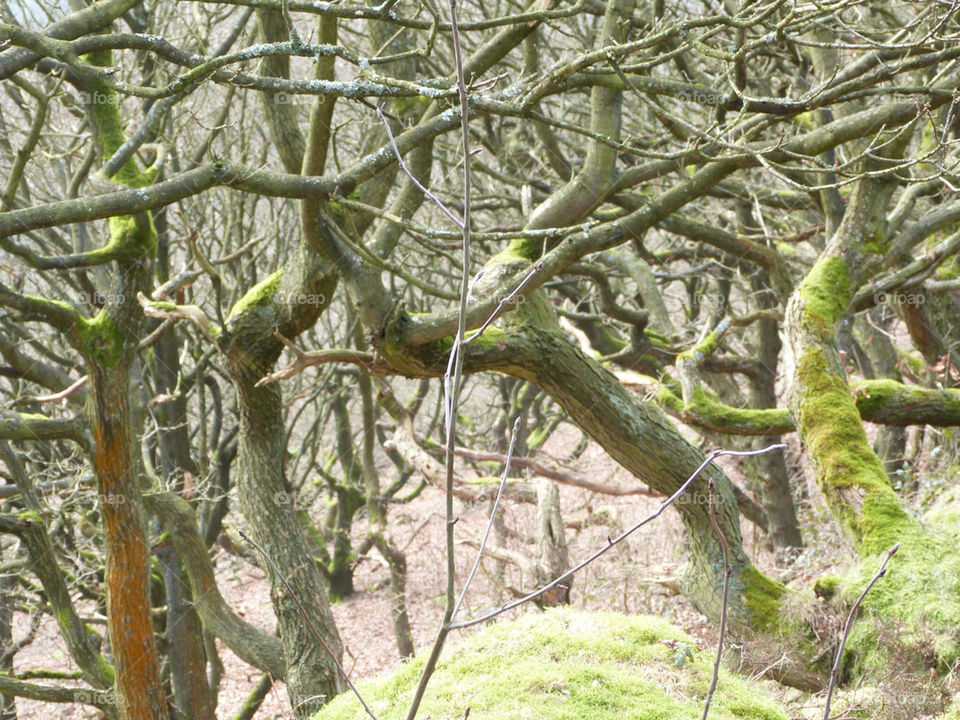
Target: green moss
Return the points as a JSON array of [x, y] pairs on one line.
[[105, 110], [105, 670], [101, 339], [764, 598], [948, 271], [526, 248], [666, 398], [130, 237], [708, 344], [913, 360], [259, 295], [912, 615], [873, 395], [706, 409], [804, 121], [827, 586], [850, 475], [565, 665], [826, 292]]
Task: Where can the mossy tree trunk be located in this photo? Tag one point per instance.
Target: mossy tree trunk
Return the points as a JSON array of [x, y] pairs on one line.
[[528, 344], [109, 344], [140, 693], [263, 490], [848, 472]]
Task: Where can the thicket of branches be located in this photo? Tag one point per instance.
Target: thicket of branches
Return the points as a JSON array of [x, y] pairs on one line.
[[235, 237]]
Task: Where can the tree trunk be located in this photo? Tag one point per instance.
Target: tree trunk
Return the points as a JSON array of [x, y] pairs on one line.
[[775, 494], [140, 693], [188, 661], [8, 583], [264, 493], [848, 472], [553, 560], [251, 350]]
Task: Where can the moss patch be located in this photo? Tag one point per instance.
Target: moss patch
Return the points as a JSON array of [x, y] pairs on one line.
[[706, 409], [526, 248], [849, 473], [764, 597], [101, 339], [259, 295], [912, 615], [826, 292], [566, 665]]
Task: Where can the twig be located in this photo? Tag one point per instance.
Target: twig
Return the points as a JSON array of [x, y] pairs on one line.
[[493, 515], [54, 397], [171, 311], [846, 628], [403, 166], [504, 302], [723, 607], [454, 368], [561, 476], [303, 360], [620, 538], [313, 628]]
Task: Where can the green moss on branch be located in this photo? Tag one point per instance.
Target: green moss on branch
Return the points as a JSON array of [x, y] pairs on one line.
[[850, 475], [257, 296]]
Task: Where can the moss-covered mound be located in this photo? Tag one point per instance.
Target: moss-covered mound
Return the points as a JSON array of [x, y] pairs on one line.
[[912, 615], [566, 665]]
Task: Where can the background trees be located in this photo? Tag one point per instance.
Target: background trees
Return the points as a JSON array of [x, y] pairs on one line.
[[720, 212]]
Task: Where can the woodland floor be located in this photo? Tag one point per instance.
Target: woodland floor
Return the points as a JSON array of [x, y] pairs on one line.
[[624, 579]]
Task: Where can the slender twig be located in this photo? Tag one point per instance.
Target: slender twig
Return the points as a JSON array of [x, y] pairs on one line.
[[403, 166], [617, 540], [454, 371], [493, 515], [306, 616], [846, 628], [723, 607]]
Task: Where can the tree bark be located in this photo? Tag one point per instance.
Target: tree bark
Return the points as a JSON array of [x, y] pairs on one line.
[[251, 350], [848, 472], [553, 561]]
